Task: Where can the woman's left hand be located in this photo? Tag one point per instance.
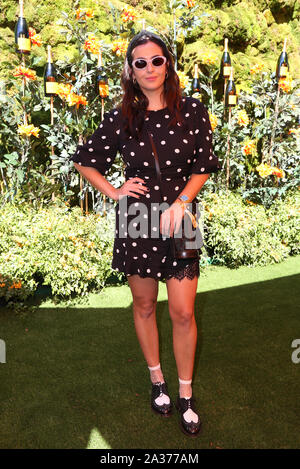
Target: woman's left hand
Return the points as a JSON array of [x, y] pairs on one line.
[[171, 219]]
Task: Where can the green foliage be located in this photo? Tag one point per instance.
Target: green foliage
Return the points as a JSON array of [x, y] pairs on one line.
[[242, 233], [57, 246]]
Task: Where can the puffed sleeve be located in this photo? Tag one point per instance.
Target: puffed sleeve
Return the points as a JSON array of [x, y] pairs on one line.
[[204, 160], [101, 148]]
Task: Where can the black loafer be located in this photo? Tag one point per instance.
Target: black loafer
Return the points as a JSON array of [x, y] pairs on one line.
[[189, 428], [157, 389]]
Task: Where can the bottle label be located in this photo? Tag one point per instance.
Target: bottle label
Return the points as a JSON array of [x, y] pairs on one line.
[[51, 87], [226, 71], [24, 43], [283, 71], [232, 100], [103, 90]]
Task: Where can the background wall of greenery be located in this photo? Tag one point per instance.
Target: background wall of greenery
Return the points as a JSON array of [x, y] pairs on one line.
[[256, 29]]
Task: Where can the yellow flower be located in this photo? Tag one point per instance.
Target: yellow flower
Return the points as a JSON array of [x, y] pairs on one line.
[[285, 84], [264, 170], [120, 47], [209, 58], [183, 79], [28, 130], [243, 119], [63, 90], [128, 14], [213, 121], [248, 147], [256, 68], [92, 44]]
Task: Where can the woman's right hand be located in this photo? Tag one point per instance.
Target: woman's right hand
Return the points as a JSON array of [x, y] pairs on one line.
[[131, 187]]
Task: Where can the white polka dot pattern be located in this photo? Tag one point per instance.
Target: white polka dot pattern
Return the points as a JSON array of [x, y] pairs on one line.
[[182, 151]]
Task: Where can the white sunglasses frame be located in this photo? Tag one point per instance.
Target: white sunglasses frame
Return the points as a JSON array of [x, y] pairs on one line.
[[150, 60]]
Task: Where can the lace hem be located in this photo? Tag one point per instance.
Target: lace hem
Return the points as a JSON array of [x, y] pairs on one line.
[[190, 271]]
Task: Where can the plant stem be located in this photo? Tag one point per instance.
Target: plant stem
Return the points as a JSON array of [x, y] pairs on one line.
[[274, 125]]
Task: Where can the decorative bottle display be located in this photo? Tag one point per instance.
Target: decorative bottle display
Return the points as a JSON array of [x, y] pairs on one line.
[[196, 87], [50, 81], [101, 79], [225, 61], [22, 38], [282, 63], [230, 93]]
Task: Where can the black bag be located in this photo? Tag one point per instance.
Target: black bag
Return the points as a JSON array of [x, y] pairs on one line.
[[188, 246]]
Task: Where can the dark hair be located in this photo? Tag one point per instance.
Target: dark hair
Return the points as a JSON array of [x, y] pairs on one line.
[[135, 103]]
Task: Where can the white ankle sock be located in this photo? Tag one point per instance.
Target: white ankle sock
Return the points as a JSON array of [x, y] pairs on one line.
[[189, 415], [158, 378]]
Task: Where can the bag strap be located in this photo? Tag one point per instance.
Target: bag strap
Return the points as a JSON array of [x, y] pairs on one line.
[[157, 167]]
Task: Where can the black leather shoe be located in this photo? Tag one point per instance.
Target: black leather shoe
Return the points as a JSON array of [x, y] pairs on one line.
[[189, 428], [157, 389]]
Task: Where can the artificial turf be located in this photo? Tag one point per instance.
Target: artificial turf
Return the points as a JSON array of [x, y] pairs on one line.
[[76, 378]]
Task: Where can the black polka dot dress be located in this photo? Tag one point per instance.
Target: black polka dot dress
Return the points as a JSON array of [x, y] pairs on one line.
[[139, 246]]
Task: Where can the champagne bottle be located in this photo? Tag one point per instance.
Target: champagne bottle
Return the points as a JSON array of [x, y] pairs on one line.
[[50, 81], [225, 61], [282, 64], [196, 87], [230, 93], [101, 79], [22, 38]]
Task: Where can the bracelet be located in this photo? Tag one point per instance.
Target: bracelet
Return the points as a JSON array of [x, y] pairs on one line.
[[181, 203], [185, 209]]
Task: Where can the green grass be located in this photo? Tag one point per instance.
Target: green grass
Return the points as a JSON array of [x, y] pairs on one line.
[[76, 378]]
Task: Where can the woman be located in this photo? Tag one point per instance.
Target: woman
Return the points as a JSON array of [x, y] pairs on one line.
[[181, 131]]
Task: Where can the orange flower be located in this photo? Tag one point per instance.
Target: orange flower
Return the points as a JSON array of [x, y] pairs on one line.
[[285, 84], [74, 99], [81, 13], [103, 90], [256, 68], [213, 121], [35, 38], [28, 130], [243, 118], [278, 172], [63, 90], [248, 147], [24, 72], [190, 3], [16, 285], [295, 131], [92, 44], [120, 47], [128, 14]]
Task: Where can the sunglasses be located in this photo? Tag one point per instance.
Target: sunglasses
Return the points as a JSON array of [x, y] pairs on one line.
[[157, 61]]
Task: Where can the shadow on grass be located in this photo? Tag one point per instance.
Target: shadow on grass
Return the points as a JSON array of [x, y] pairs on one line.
[[76, 378]]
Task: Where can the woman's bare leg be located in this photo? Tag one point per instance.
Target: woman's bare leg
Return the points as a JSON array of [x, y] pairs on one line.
[[144, 294], [181, 299]]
